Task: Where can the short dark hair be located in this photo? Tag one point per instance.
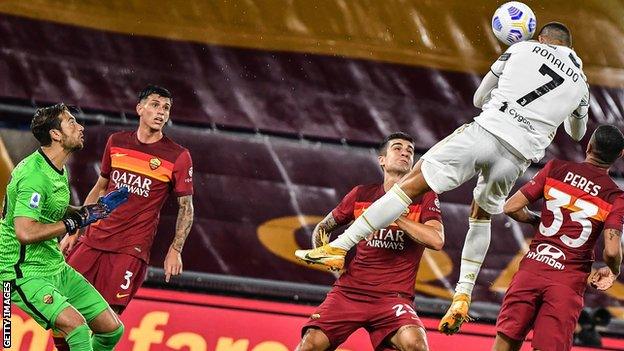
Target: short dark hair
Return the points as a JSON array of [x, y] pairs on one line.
[[383, 147], [608, 143], [46, 119], [557, 31], [154, 89]]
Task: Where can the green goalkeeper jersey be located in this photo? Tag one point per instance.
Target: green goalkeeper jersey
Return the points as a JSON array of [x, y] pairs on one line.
[[40, 191]]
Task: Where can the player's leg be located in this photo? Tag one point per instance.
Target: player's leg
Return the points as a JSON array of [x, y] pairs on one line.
[[106, 326], [333, 321], [410, 338], [86, 262], [107, 330], [395, 324], [498, 171], [518, 310], [505, 343], [446, 166], [40, 298], [314, 339], [119, 278], [475, 248], [556, 321], [476, 244]]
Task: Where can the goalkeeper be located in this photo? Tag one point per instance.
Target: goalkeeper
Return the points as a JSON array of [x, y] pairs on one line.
[[36, 212]]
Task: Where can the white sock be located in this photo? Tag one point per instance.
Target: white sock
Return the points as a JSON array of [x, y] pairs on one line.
[[475, 248], [379, 215]]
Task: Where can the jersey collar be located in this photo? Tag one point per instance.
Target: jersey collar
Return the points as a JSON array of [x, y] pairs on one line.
[[59, 171]]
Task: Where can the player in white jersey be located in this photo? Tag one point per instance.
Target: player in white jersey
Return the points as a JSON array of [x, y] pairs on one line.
[[531, 89]]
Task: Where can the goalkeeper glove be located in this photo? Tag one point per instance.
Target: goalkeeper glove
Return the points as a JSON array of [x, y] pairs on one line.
[[92, 213], [114, 199]]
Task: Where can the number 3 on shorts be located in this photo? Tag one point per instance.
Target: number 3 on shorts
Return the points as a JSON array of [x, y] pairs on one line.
[[127, 277], [401, 310]]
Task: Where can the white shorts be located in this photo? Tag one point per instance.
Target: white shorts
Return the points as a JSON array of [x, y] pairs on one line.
[[472, 150]]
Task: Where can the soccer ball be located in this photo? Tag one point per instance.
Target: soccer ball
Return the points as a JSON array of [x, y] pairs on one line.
[[513, 22]]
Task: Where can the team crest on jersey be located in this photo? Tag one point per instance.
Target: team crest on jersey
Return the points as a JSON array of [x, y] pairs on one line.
[[34, 200], [154, 163], [48, 299]]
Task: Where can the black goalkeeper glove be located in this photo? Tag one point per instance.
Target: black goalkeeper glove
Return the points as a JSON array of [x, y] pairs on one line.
[[92, 213]]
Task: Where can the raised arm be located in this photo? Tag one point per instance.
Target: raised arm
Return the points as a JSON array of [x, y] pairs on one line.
[[322, 230], [29, 231], [429, 234], [576, 124], [99, 189], [489, 82]]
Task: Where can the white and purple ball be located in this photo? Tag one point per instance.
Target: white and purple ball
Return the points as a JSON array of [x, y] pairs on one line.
[[513, 22]]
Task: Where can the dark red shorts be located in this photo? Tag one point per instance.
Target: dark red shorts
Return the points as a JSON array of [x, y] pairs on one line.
[[116, 276], [549, 308], [342, 313]]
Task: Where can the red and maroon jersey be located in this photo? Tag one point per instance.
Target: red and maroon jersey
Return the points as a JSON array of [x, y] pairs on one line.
[[579, 202], [387, 261], [150, 172]]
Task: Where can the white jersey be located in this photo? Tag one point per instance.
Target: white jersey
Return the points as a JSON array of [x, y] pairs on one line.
[[539, 87]]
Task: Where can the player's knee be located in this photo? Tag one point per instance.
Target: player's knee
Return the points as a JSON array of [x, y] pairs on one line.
[[476, 212], [313, 340], [309, 345], [414, 345], [411, 339], [107, 341], [70, 322]]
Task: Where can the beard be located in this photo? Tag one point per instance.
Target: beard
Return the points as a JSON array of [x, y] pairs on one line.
[[71, 145]]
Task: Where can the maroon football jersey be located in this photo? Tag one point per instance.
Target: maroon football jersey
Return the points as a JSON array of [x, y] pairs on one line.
[[151, 172], [387, 261], [579, 202]]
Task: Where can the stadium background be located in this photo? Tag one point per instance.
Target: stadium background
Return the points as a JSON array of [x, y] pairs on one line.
[[281, 104]]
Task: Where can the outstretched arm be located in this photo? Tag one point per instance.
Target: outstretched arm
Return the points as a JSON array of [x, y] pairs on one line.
[[173, 260], [99, 189], [29, 231], [321, 232], [516, 208]]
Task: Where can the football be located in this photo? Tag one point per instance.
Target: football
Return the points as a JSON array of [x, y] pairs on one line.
[[513, 22]]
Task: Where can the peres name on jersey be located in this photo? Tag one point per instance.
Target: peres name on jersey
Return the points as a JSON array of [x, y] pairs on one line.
[[582, 183]]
